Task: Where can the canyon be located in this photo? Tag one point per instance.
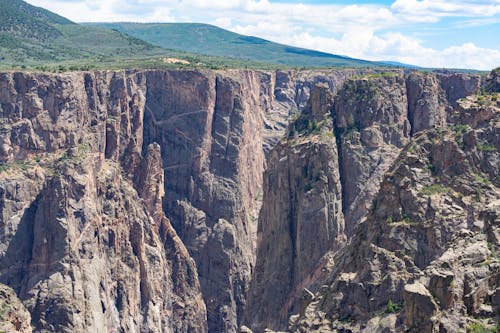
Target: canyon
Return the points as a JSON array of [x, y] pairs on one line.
[[242, 200]]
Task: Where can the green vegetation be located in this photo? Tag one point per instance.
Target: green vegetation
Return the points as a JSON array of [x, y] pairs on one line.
[[406, 220], [33, 38], [460, 129], [486, 147], [494, 254], [15, 165], [434, 189], [210, 40], [393, 307], [377, 75], [480, 179], [478, 327], [3, 309]]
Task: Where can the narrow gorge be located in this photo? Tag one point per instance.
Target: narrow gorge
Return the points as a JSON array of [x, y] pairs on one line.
[[239, 200]]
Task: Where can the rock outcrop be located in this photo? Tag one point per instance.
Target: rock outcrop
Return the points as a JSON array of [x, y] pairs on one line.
[[425, 259], [84, 247], [374, 118], [186, 200], [13, 315], [371, 116], [301, 217]]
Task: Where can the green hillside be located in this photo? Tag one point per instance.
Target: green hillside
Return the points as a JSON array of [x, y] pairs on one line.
[[23, 20], [211, 40], [35, 38]]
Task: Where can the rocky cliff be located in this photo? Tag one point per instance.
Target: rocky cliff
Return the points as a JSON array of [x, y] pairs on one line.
[[194, 201], [301, 216], [426, 257], [129, 200], [375, 118], [85, 244]]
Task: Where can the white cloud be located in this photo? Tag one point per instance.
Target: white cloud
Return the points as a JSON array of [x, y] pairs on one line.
[[397, 47], [365, 31], [439, 8]]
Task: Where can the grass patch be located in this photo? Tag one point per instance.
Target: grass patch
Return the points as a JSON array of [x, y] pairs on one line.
[[480, 179], [481, 328], [434, 189], [486, 147], [15, 165]]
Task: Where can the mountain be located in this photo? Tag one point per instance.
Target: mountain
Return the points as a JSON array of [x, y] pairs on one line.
[[26, 21], [212, 40], [34, 36]]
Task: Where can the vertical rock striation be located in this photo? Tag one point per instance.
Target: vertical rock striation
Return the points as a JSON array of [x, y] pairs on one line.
[[81, 248], [301, 217], [94, 167]]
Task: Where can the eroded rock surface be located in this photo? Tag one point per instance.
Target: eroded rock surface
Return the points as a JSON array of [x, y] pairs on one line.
[[426, 255], [301, 217], [135, 173], [13, 315]]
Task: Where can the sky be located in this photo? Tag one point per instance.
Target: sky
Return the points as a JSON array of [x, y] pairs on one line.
[[428, 33]]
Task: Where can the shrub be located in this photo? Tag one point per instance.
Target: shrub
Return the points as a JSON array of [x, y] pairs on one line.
[[392, 307]]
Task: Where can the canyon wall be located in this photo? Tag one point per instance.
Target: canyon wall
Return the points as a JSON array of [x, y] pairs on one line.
[[129, 200], [196, 200], [373, 118]]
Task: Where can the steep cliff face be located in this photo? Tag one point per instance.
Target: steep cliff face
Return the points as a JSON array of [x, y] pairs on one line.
[[374, 116], [301, 217], [372, 123], [129, 200], [84, 247], [94, 163], [426, 258]]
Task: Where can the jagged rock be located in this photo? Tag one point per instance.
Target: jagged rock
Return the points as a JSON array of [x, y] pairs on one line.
[[426, 102], [110, 182], [13, 315], [213, 129], [419, 308], [434, 225], [493, 81], [372, 123]]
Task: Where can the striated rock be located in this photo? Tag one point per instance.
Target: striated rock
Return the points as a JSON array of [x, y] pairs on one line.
[[209, 131], [301, 217], [129, 200], [372, 124], [493, 81], [84, 252], [426, 102]]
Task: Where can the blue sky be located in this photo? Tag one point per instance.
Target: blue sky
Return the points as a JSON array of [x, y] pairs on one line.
[[437, 33]]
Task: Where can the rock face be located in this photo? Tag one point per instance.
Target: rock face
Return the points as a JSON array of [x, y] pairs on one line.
[[112, 181], [194, 201], [301, 217], [13, 315], [375, 116], [214, 164], [84, 247], [372, 124], [425, 259]]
